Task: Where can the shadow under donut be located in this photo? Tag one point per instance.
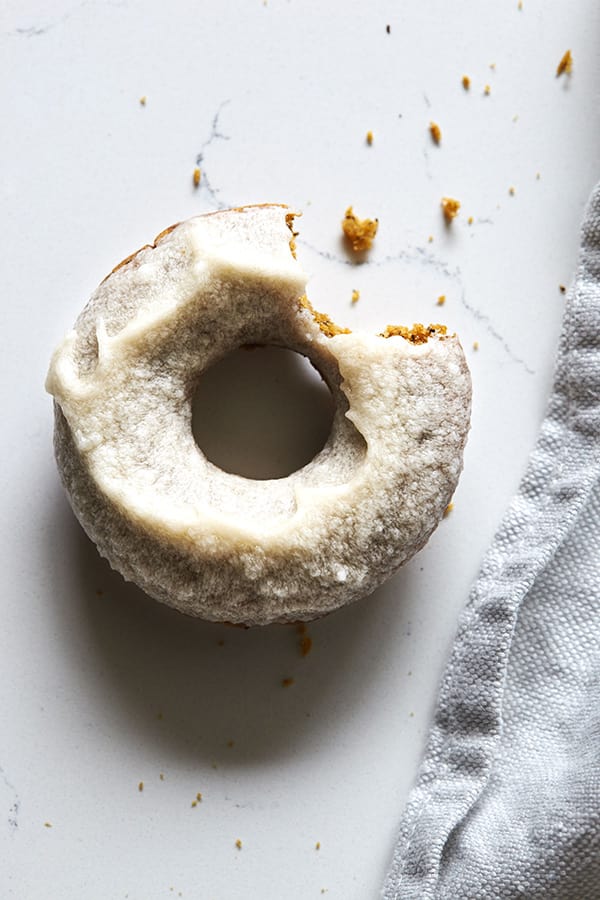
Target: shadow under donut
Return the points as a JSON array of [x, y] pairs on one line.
[[214, 693]]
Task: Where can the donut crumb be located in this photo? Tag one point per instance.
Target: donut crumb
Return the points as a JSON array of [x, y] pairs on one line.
[[359, 232], [369, 138], [448, 510], [466, 82], [289, 221], [238, 844], [441, 300], [355, 296], [565, 66], [418, 334], [287, 682], [196, 176], [450, 208], [141, 786], [435, 132], [327, 326]]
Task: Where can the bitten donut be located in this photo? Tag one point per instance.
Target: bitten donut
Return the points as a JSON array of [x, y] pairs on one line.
[[211, 543]]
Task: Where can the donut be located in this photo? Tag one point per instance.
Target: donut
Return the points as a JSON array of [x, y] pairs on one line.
[[211, 543]]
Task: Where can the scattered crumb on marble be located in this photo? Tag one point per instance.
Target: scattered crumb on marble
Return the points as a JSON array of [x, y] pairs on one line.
[[318, 845], [470, 220], [355, 296], [194, 803], [196, 176], [565, 66], [238, 844], [360, 232], [450, 208], [430, 239], [448, 509], [388, 29], [475, 345], [287, 682], [537, 176], [141, 786], [511, 191], [47, 824], [487, 90], [436, 133], [441, 300], [520, 4], [412, 715], [493, 67], [369, 138], [143, 100], [162, 776], [562, 288], [466, 82]]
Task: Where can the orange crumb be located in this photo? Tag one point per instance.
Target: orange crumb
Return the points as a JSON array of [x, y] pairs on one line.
[[418, 334], [475, 345], [199, 797], [470, 220], [143, 100], [450, 208], [441, 300], [430, 239], [562, 288], [305, 645], [360, 232], [520, 4], [287, 682], [435, 132], [511, 191], [194, 803], [369, 138], [487, 90], [448, 509], [565, 65], [196, 176], [141, 786], [318, 845], [327, 326], [47, 824], [466, 82], [238, 844], [493, 67], [355, 296]]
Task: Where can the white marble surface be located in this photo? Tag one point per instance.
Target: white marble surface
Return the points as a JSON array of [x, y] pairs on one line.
[[102, 688]]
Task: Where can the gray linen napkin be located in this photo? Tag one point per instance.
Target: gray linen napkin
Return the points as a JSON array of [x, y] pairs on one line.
[[507, 801]]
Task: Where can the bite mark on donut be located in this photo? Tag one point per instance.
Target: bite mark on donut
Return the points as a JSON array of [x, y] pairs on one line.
[[327, 326], [418, 334]]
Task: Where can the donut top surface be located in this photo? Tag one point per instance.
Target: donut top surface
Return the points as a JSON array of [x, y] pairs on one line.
[[123, 379]]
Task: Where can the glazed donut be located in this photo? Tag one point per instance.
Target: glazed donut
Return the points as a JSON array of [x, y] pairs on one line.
[[211, 543]]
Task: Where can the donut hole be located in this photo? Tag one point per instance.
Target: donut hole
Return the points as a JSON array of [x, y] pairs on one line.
[[262, 412]]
